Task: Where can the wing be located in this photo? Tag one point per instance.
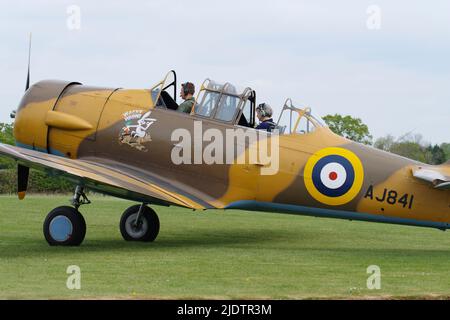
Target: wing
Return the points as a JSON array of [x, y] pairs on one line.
[[438, 176], [108, 177]]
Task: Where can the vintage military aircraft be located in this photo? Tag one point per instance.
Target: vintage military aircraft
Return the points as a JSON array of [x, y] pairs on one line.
[[121, 143]]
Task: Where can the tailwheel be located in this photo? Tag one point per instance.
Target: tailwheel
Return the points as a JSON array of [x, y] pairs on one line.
[[139, 223], [64, 226]]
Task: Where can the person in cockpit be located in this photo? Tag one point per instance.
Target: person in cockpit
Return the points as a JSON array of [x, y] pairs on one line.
[[264, 113], [187, 94]]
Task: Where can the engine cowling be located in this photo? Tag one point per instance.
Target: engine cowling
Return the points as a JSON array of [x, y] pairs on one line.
[[30, 128], [56, 116]]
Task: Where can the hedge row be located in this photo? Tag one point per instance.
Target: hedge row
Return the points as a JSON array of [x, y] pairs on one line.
[[38, 182]]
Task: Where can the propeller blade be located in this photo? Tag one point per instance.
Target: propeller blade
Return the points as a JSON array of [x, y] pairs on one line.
[[28, 73], [22, 180]]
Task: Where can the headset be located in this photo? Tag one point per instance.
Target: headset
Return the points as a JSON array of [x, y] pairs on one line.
[[261, 108], [185, 88]]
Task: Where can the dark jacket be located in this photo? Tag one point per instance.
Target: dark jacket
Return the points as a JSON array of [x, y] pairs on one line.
[[268, 125]]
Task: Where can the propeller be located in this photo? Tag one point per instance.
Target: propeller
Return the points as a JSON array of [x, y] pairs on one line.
[[22, 171], [29, 60], [22, 180]]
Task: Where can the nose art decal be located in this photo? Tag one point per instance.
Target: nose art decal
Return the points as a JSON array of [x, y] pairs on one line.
[[135, 132]]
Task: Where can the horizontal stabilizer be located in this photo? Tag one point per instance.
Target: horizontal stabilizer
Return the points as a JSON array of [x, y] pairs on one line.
[[443, 185], [438, 176]]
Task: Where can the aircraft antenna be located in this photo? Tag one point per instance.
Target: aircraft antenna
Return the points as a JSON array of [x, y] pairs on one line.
[[402, 138]]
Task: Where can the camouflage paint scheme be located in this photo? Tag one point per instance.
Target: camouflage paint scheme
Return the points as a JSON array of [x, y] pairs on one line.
[[86, 134]]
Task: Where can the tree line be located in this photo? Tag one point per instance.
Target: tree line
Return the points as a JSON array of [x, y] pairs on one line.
[[408, 145]]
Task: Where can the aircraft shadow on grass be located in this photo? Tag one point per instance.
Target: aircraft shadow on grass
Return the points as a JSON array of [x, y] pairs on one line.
[[222, 239], [219, 239]]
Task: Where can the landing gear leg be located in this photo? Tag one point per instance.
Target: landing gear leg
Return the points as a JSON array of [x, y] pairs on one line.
[[65, 226], [79, 197]]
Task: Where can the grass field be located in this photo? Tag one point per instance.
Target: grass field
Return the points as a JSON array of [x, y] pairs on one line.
[[218, 254]]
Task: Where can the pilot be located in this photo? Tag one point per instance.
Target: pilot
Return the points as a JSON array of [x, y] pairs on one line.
[[187, 94], [264, 114]]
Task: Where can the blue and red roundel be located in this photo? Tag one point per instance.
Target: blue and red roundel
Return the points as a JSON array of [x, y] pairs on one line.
[[333, 176]]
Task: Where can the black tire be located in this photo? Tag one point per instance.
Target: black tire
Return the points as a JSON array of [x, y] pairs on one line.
[[64, 226], [147, 231]]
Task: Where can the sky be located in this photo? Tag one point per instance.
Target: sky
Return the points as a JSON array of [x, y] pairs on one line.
[[386, 62]]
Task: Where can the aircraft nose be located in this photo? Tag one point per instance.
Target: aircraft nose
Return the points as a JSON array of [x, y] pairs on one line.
[[30, 128]]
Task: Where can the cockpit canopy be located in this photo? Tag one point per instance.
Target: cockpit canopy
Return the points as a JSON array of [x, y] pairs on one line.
[[162, 95], [296, 120], [229, 104], [224, 102]]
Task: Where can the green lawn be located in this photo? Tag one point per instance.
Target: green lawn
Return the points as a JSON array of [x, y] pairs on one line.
[[218, 254]]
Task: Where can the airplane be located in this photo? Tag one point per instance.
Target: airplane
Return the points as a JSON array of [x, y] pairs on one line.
[[123, 142]]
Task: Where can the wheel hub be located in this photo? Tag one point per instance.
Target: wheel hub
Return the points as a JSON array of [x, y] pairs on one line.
[[136, 229], [61, 228]]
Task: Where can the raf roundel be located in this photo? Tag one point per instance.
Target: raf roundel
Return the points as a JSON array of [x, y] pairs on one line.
[[333, 176]]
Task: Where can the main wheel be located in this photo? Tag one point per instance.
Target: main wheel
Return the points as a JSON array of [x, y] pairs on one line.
[[64, 226], [146, 229]]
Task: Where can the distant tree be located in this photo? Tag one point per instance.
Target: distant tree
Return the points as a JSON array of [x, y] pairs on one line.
[[436, 154], [385, 143], [349, 127], [7, 137], [6, 133], [410, 149], [413, 147], [446, 148]]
